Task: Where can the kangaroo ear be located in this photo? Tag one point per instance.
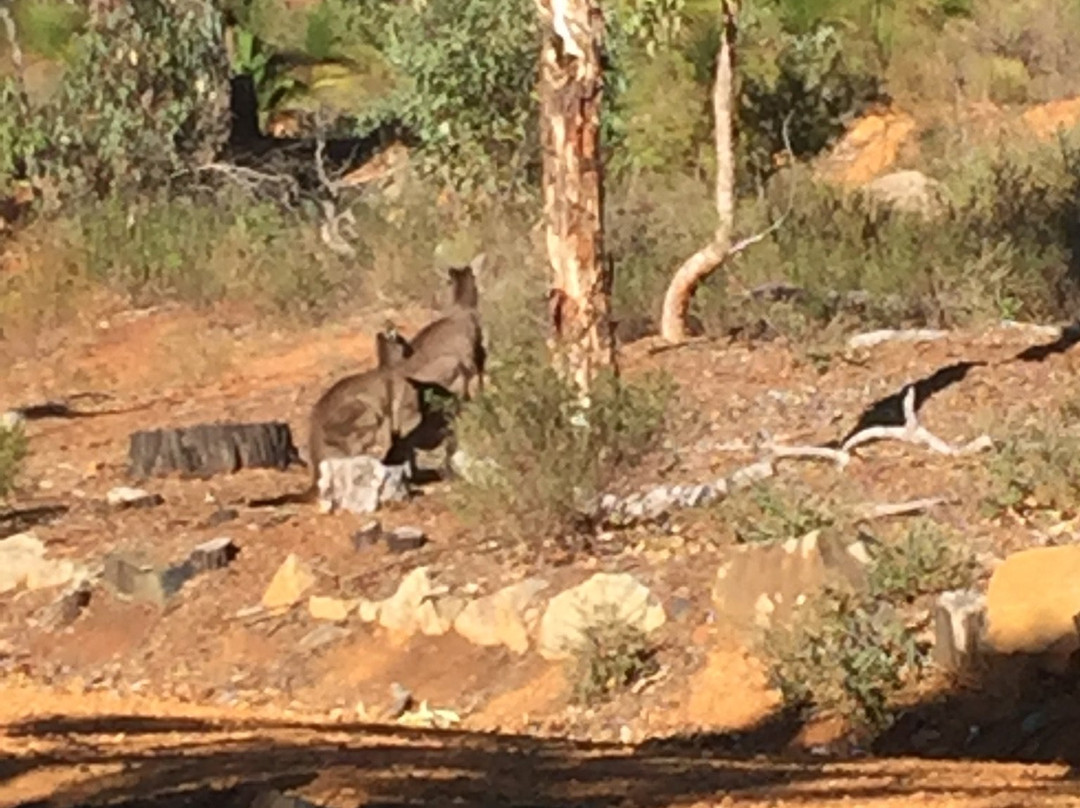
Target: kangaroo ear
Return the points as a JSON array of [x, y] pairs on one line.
[[477, 264]]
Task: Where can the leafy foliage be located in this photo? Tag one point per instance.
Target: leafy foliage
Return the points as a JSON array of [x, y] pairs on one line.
[[545, 459], [846, 655], [12, 454], [143, 95], [926, 559], [613, 655]]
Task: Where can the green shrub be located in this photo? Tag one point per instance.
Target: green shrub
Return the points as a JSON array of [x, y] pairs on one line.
[[12, 454], [1036, 468], [144, 94], [845, 655], [926, 559], [772, 511], [538, 464], [613, 656]]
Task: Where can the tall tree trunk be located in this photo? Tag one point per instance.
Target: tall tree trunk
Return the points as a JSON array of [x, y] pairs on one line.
[[713, 255], [571, 83]]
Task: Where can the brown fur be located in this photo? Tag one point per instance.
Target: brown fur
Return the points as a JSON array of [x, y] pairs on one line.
[[449, 351], [355, 415]]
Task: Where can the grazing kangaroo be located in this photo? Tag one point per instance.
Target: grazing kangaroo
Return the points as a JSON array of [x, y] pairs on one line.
[[355, 415], [450, 350]]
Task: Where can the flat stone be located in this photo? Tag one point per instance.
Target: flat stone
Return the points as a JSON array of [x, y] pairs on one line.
[[214, 554], [290, 583], [368, 535], [502, 617], [322, 636], [125, 497], [132, 576], [404, 539], [335, 610], [24, 562]]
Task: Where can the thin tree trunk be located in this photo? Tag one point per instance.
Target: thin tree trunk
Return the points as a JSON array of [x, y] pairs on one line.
[[571, 83], [711, 257]]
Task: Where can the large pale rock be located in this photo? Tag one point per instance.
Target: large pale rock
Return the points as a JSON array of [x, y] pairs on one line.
[[1033, 601], [23, 562], [418, 606], [502, 618], [289, 584], [360, 484], [605, 596], [909, 192], [759, 585]]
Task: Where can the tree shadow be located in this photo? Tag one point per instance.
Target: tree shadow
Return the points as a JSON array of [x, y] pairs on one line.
[[390, 765], [1001, 708], [889, 411], [1070, 336]]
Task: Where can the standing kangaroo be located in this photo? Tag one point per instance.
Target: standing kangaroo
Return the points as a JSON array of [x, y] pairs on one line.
[[450, 350], [355, 415], [448, 354]]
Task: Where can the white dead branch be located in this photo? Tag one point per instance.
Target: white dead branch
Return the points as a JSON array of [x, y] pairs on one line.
[[915, 433], [872, 339], [885, 510]]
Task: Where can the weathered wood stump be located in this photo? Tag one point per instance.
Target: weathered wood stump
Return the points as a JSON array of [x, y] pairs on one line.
[[208, 449]]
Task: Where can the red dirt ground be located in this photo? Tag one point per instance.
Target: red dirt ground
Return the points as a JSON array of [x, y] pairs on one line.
[[256, 709]]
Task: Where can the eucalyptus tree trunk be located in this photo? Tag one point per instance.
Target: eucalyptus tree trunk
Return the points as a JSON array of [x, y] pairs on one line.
[[571, 85]]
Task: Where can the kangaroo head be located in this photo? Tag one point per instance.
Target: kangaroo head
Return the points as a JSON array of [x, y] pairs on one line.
[[463, 284], [390, 347]]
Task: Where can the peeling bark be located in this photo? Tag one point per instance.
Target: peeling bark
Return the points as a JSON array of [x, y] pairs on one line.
[[571, 84]]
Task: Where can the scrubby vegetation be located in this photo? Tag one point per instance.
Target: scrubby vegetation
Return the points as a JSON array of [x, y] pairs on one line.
[[12, 454]]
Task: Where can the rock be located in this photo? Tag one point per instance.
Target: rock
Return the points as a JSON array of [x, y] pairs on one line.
[[336, 610], [909, 192], [368, 610], [404, 539], [220, 517], [360, 484], [603, 597], [416, 606], [10, 420], [1032, 602], [501, 618], [760, 584], [959, 624], [322, 636], [289, 584], [214, 554], [401, 700], [124, 497], [368, 535], [71, 604], [23, 562], [132, 576], [748, 475]]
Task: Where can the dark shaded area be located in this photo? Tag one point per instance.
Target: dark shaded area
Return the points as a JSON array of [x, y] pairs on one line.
[[18, 520], [1070, 335], [889, 411], [392, 766], [1008, 709], [295, 158]]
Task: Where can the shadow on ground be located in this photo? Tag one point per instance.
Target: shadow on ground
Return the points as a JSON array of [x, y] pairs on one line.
[[382, 766]]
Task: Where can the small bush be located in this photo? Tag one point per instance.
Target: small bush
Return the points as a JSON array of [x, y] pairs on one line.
[[613, 655], [773, 512], [545, 462], [926, 559], [846, 655], [1036, 468], [12, 454]]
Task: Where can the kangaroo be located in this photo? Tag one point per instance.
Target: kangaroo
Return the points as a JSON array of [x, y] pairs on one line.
[[355, 415], [450, 350]]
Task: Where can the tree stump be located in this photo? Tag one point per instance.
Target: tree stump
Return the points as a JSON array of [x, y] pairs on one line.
[[208, 449]]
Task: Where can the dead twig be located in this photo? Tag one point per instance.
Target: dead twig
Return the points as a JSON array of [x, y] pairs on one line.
[[885, 510], [915, 433]]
